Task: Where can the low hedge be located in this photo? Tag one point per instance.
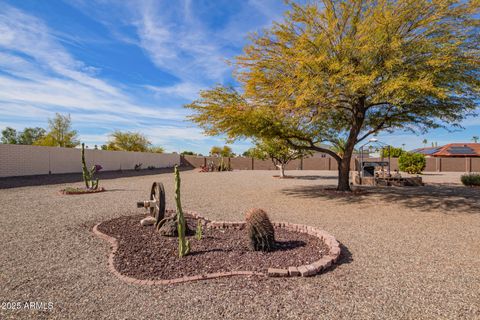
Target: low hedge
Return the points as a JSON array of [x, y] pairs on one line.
[[471, 179]]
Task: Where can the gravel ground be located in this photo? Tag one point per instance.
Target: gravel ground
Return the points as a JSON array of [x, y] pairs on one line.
[[411, 253]]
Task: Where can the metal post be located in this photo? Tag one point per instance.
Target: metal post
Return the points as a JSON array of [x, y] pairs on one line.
[[389, 157]]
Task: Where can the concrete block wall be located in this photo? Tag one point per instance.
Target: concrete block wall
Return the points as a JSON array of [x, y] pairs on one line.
[[20, 160], [328, 163]]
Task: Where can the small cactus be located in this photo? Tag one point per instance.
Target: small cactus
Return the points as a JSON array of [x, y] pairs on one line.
[[89, 175], [260, 230], [183, 243], [199, 231]]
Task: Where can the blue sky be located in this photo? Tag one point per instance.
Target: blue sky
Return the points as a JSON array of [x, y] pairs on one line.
[[132, 65]]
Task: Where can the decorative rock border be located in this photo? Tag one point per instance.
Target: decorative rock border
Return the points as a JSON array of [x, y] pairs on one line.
[[304, 270], [293, 271]]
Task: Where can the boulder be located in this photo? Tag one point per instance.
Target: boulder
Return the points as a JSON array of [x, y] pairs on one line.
[[148, 221]]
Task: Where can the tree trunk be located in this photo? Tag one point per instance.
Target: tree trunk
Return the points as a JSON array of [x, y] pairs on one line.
[[344, 174], [282, 170], [344, 163]]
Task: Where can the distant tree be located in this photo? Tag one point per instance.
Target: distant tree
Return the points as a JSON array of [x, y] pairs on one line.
[[413, 163], [188, 153], [104, 147], [225, 152], [156, 149], [351, 69], [215, 151], [60, 133], [425, 141], [393, 152], [29, 135], [9, 136], [475, 139], [249, 153], [278, 151], [128, 141]]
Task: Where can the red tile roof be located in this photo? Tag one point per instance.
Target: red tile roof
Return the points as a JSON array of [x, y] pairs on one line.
[[458, 150]]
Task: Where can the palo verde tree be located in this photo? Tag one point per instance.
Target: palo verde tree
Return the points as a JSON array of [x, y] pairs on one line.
[[224, 151], [128, 141], [349, 69], [60, 133], [278, 151]]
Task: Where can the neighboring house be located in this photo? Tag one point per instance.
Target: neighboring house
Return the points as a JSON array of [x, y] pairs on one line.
[[428, 151], [452, 150]]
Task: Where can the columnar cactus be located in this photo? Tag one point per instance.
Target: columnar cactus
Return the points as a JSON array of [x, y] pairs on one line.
[[199, 231], [260, 230], [88, 175], [183, 244]]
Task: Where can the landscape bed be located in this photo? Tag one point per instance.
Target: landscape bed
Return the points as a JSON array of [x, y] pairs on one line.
[[141, 253]]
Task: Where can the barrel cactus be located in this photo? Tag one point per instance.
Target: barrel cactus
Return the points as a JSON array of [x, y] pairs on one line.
[[260, 230]]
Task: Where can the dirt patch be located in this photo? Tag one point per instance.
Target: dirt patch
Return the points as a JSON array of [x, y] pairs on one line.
[[144, 254]]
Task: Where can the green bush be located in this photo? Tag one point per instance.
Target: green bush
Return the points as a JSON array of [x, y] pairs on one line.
[[471, 179], [412, 162], [394, 152]]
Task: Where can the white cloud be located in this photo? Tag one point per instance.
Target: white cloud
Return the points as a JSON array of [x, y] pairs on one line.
[[186, 50], [41, 75], [184, 90]]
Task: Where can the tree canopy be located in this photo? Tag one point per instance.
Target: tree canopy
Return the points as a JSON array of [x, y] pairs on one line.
[[9, 136], [188, 153], [156, 149], [392, 152], [128, 141], [224, 151], [278, 151], [349, 69], [27, 137], [60, 133]]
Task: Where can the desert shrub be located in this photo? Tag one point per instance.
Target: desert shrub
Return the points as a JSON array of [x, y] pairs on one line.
[[412, 162], [471, 179]]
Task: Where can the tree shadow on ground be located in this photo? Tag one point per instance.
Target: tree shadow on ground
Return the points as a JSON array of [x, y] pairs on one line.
[[441, 197], [49, 179], [314, 177]]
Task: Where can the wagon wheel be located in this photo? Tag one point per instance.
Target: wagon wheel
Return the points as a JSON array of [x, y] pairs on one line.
[[157, 194]]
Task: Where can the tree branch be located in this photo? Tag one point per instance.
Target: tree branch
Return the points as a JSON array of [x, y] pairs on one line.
[[313, 147]]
